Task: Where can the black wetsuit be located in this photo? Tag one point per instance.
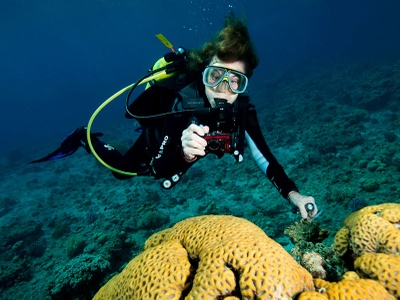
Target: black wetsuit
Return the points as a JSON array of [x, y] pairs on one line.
[[158, 150]]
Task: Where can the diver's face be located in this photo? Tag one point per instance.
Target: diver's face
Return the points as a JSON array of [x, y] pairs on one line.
[[222, 90]]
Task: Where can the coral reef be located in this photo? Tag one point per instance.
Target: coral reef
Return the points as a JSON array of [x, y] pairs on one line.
[[74, 246], [78, 277], [6, 205], [91, 216], [37, 248], [27, 232], [13, 274], [216, 256], [320, 260], [366, 232], [152, 219], [210, 256], [326, 265]]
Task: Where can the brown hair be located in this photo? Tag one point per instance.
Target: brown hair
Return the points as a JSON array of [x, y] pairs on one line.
[[232, 43]]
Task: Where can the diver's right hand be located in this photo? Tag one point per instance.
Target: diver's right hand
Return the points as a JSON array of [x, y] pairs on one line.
[[193, 143]]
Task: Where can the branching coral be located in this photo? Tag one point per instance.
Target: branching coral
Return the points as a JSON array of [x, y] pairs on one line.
[[306, 230], [321, 261]]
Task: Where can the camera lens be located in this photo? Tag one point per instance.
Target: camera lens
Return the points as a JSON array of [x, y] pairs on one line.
[[213, 145]]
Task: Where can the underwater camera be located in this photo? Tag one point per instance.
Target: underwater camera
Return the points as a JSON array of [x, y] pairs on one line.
[[218, 143], [220, 140]]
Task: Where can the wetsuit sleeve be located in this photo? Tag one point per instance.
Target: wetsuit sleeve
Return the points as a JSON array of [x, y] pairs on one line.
[[169, 160], [263, 156]]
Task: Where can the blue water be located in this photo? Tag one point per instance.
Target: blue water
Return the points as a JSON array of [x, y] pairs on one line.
[[60, 59], [327, 98]]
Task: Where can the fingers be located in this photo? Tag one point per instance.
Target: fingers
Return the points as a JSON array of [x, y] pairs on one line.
[[305, 213], [303, 203], [314, 212], [193, 143], [198, 129], [308, 210]]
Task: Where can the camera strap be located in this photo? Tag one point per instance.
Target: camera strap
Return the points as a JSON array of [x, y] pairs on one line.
[[238, 139]]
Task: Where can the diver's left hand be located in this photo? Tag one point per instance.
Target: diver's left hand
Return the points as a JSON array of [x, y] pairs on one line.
[[300, 201]]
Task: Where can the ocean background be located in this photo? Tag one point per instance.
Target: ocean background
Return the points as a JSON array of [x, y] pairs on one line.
[[328, 96]]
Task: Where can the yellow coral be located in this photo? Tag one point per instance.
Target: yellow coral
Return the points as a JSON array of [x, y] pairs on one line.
[[351, 275], [352, 289], [312, 295], [235, 258], [382, 267], [371, 229], [373, 237], [341, 242], [161, 272]]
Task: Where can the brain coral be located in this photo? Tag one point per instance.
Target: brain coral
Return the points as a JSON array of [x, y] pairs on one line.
[[371, 229], [372, 236], [384, 268], [161, 272], [310, 295], [352, 289], [210, 257]]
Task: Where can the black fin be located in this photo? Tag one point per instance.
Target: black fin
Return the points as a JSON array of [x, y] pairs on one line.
[[68, 146]]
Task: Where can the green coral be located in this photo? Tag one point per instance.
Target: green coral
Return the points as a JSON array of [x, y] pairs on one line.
[[307, 235], [342, 195], [61, 229], [334, 266], [153, 219], [74, 246], [370, 185], [306, 230]]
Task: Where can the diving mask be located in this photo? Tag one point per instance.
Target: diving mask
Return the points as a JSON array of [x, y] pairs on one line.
[[213, 75]]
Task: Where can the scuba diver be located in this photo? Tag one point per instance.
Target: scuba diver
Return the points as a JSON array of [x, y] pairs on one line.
[[200, 107]]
